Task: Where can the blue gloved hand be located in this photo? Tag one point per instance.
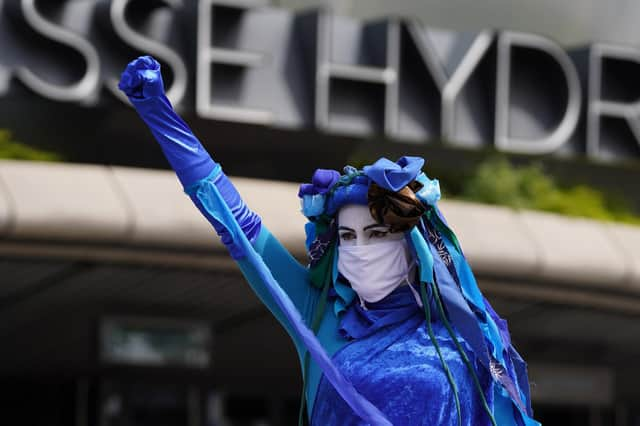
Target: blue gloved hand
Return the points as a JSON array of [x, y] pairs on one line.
[[142, 78], [141, 81]]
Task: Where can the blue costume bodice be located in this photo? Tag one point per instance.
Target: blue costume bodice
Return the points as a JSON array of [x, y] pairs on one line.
[[394, 365]]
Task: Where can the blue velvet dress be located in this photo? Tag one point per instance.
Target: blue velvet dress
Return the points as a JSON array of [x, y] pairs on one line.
[[394, 364]]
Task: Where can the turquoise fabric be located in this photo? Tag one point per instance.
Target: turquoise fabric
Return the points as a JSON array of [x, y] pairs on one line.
[[294, 280]]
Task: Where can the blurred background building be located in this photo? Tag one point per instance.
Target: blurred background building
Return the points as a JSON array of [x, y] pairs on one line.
[[118, 304]]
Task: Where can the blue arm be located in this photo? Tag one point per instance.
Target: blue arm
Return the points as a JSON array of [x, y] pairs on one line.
[[142, 83], [203, 180]]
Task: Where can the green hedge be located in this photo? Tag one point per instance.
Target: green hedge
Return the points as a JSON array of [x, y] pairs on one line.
[[497, 181], [11, 149]]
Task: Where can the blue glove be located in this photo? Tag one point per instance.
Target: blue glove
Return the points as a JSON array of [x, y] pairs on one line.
[[142, 78], [141, 81]]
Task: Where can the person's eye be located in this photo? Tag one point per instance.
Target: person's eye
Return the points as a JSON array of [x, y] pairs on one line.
[[347, 236], [378, 234]]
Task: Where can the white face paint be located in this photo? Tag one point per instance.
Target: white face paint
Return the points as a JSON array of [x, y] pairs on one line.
[[356, 227], [374, 260]]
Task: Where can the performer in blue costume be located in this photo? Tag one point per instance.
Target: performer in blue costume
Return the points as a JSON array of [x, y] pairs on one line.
[[387, 319]]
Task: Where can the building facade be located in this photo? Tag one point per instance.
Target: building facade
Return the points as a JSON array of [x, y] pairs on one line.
[[119, 306]]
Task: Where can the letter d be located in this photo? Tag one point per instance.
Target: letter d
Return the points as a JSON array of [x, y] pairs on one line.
[[563, 131]]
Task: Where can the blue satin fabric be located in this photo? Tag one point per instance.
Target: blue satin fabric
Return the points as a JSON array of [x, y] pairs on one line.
[[394, 364], [249, 222], [394, 176], [183, 150], [192, 165]]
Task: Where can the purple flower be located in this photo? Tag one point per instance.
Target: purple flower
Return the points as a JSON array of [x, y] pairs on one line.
[[314, 194], [321, 182]]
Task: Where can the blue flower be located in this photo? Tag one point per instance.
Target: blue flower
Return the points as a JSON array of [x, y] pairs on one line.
[[394, 176], [430, 191], [313, 205]]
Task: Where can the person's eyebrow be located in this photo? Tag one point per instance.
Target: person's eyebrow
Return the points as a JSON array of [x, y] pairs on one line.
[[375, 225], [344, 228]]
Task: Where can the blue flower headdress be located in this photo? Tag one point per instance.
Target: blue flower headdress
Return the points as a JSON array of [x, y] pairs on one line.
[[329, 191]]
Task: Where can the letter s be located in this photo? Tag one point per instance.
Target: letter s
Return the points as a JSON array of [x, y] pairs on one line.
[[81, 90], [179, 86]]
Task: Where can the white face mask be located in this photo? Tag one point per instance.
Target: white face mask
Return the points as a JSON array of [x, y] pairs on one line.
[[375, 270]]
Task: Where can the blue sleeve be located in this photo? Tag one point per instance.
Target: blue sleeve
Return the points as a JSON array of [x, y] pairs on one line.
[[183, 150], [289, 273], [291, 276], [193, 164], [200, 176]]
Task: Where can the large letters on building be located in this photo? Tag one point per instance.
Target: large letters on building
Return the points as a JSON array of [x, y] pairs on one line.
[[244, 61]]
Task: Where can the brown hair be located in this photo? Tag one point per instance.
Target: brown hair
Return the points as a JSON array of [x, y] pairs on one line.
[[400, 210]]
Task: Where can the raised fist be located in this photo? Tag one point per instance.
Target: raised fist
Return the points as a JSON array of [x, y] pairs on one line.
[[142, 78]]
